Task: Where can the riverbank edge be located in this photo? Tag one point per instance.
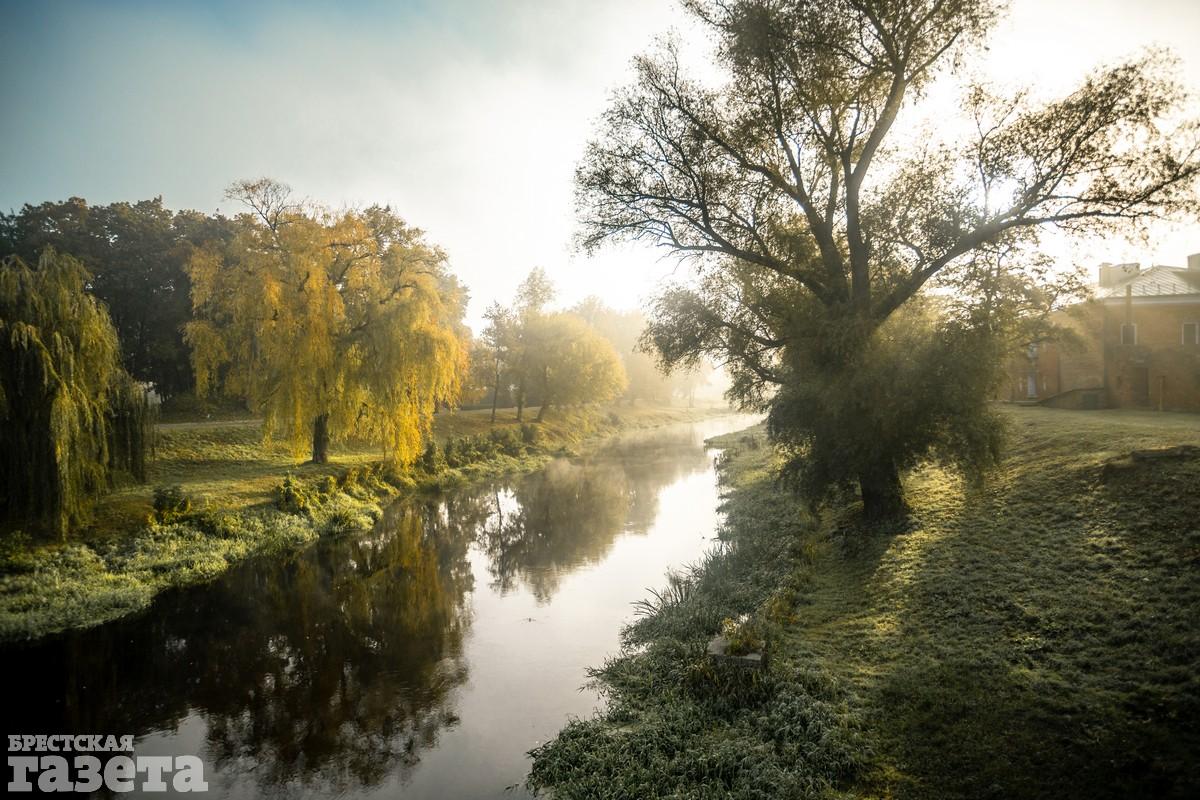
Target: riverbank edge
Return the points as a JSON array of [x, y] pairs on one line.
[[896, 639], [678, 722], [53, 588]]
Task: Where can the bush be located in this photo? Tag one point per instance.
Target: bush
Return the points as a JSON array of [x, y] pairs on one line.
[[433, 460], [170, 503], [290, 497], [508, 441], [531, 435]]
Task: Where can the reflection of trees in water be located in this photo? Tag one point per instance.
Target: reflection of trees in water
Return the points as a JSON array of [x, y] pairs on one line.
[[331, 669], [334, 668], [363, 651], [571, 513], [563, 516]]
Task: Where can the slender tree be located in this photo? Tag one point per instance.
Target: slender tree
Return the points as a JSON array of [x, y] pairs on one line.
[[813, 223], [499, 344], [532, 296], [330, 325]]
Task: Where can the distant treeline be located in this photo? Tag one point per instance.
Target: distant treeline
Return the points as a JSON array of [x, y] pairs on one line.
[[136, 255]]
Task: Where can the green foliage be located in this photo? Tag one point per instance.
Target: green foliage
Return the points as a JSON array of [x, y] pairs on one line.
[[530, 435], [745, 635], [465, 450], [71, 415], [433, 460], [508, 441], [291, 497], [921, 389], [170, 503], [135, 253]]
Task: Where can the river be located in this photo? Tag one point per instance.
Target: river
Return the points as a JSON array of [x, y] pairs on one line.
[[421, 659]]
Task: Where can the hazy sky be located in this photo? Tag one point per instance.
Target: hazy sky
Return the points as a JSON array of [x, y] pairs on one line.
[[467, 117]]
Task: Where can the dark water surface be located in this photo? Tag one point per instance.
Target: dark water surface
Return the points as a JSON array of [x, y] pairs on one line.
[[422, 659]]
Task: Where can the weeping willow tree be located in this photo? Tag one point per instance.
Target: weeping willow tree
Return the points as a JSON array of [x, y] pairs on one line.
[[71, 415], [331, 325]]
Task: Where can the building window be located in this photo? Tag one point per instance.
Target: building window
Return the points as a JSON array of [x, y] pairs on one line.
[[1191, 333], [1129, 333]]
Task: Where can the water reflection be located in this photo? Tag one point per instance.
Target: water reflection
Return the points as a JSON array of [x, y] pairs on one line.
[[564, 516], [335, 670]]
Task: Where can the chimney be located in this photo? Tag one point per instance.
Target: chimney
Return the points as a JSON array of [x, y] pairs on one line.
[[1194, 262], [1112, 274]]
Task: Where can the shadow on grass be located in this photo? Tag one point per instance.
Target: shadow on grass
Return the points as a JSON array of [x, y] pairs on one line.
[[1034, 639]]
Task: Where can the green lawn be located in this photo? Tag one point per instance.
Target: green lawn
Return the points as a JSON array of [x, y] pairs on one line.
[[1037, 638]]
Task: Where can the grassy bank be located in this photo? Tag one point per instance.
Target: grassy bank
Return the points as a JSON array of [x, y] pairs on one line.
[[1033, 638], [224, 495]]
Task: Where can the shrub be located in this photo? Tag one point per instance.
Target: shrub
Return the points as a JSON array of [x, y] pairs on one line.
[[507, 441], [170, 503], [433, 460], [743, 634], [531, 435], [290, 497]]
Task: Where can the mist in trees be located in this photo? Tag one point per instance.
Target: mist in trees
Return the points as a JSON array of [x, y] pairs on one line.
[[72, 415], [537, 357], [815, 228], [330, 325]]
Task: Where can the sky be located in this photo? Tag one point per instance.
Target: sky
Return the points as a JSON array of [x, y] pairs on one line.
[[466, 116]]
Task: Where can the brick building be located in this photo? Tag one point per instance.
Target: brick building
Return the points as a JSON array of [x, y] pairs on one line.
[[1136, 344]]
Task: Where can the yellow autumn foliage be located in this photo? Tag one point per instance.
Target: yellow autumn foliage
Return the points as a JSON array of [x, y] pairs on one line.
[[341, 322]]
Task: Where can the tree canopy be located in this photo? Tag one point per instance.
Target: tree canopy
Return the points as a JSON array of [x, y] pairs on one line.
[[813, 222], [331, 325], [135, 254], [569, 363]]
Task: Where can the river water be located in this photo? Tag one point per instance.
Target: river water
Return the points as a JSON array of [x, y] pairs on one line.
[[421, 659]]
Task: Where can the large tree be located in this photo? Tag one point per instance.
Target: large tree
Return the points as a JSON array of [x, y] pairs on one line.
[[569, 363], [815, 214], [135, 254], [623, 329], [331, 325], [69, 414]]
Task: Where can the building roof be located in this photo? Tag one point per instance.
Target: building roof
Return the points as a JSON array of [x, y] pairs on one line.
[[1155, 282]]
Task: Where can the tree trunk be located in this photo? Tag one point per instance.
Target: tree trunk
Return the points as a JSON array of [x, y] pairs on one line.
[[545, 394], [495, 392], [320, 444], [882, 492]]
